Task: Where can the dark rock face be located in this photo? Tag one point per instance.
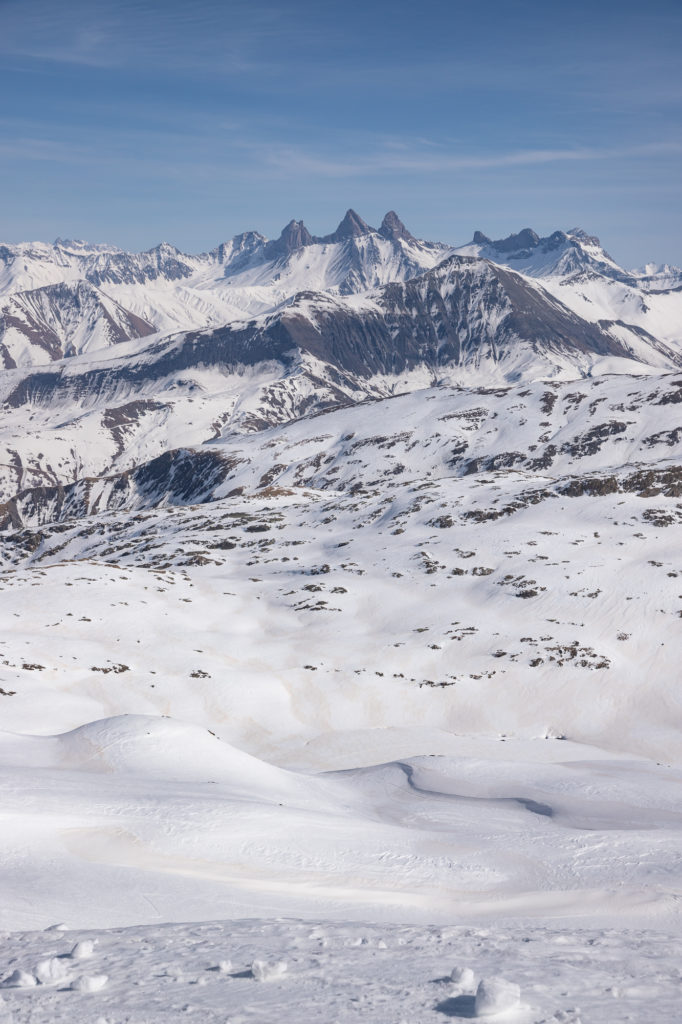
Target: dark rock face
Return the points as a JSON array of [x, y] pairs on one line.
[[393, 228], [177, 477], [294, 236], [525, 239], [351, 226]]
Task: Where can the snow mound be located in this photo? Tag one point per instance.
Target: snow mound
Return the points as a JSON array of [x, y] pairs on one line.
[[83, 950], [496, 995], [157, 747], [89, 983], [464, 978], [263, 971], [52, 970], [19, 979]]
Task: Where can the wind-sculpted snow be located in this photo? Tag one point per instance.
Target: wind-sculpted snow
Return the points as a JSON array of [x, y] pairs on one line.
[[400, 840]]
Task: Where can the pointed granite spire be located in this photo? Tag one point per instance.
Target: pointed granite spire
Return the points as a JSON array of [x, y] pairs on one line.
[[393, 228], [294, 236], [351, 226]]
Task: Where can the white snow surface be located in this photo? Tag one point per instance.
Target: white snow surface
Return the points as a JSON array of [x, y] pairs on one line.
[[354, 971]]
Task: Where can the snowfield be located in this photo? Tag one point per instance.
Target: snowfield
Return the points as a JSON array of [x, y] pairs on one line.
[[353, 972], [339, 670], [533, 878]]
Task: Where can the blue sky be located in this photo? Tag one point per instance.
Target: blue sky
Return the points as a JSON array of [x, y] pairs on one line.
[[135, 121]]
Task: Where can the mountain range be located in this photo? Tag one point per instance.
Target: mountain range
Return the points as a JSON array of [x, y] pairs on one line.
[[113, 358]]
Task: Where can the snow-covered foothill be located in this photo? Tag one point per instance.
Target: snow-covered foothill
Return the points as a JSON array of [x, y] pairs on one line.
[[495, 996]]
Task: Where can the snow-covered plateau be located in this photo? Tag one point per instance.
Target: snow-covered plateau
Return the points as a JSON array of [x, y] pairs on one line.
[[341, 587]]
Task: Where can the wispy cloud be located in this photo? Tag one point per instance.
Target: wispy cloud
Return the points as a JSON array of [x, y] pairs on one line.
[[216, 147], [295, 161], [206, 35]]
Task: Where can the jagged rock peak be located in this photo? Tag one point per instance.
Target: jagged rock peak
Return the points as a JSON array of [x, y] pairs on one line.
[[584, 237], [165, 249], [525, 239], [294, 236], [393, 228], [352, 226], [481, 239]]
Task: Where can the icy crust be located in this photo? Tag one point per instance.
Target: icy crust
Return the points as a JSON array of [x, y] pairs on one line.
[[345, 972]]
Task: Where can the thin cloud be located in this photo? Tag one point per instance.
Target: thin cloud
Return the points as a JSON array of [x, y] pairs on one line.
[[297, 161], [205, 36], [268, 159]]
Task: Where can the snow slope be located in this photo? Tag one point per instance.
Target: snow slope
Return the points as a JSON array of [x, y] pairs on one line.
[[487, 562], [63, 320], [215, 832]]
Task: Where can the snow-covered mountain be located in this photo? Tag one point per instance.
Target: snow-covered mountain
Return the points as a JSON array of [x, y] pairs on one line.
[[575, 267], [251, 275], [465, 322], [61, 320], [248, 275], [658, 276]]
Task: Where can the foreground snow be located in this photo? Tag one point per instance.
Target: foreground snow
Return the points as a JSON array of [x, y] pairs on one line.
[[139, 819], [348, 972]]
